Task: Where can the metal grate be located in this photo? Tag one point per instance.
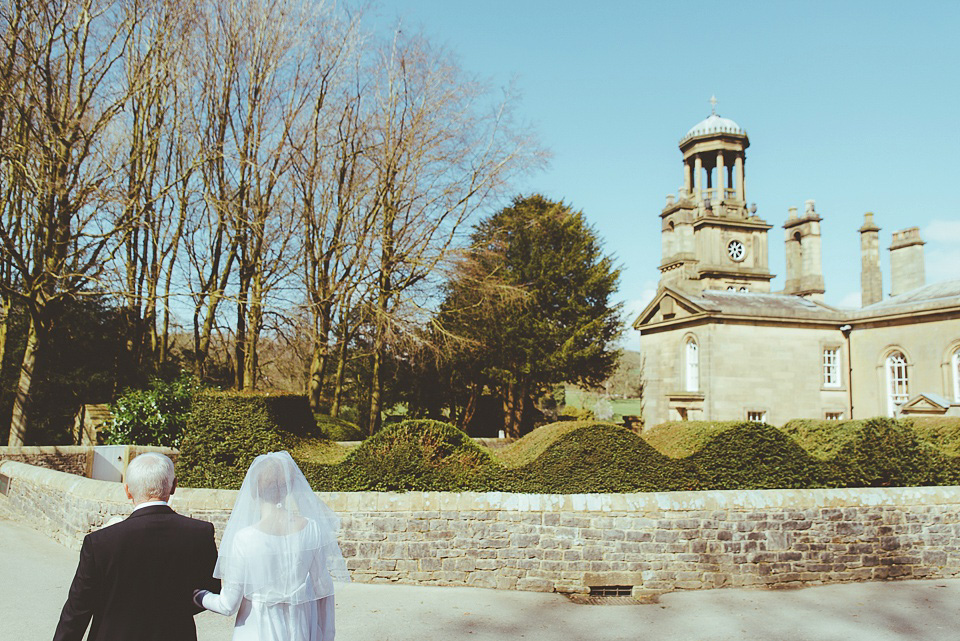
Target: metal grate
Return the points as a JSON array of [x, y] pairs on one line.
[[610, 590]]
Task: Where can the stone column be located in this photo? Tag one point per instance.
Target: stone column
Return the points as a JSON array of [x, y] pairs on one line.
[[698, 176], [721, 178], [686, 176], [741, 196]]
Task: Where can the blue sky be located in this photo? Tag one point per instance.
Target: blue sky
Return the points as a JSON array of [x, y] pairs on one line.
[[853, 104]]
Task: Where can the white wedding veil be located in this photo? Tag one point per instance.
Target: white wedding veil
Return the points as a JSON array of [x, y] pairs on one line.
[[280, 543]]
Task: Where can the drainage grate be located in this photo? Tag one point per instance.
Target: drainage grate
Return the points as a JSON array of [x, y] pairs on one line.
[[610, 590]]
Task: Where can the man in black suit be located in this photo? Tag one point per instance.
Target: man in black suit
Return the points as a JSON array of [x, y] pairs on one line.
[[136, 578]]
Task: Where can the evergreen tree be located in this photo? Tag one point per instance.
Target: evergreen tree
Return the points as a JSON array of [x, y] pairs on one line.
[[529, 307]]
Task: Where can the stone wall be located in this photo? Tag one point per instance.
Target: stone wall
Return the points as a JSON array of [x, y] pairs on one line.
[[655, 542], [72, 459]]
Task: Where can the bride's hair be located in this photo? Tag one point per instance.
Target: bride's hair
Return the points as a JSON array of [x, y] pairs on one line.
[[272, 483]]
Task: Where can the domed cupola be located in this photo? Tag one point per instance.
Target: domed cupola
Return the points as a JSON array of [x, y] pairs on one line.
[[710, 238], [713, 158], [713, 124]]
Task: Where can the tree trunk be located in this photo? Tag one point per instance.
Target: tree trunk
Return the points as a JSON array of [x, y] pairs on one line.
[[471, 407], [318, 364], [22, 414], [254, 324], [514, 404], [375, 387], [5, 307], [338, 379]]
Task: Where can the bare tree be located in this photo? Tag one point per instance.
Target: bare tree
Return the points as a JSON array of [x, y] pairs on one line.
[[441, 152], [61, 94]]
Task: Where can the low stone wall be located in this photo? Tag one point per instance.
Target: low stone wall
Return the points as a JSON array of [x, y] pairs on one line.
[[655, 542], [72, 459]]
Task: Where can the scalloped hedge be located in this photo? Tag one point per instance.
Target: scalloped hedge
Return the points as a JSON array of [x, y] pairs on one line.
[[226, 431]]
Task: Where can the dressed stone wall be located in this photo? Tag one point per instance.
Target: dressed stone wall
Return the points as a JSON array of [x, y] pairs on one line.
[[73, 459], [655, 542]]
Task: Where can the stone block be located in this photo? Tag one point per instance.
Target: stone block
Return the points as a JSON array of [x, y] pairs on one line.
[[535, 585]]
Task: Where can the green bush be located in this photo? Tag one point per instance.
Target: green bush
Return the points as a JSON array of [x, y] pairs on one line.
[[883, 452], [227, 430], [337, 429], [415, 455], [599, 457], [823, 439], [154, 416], [942, 432], [678, 439], [751, 456]]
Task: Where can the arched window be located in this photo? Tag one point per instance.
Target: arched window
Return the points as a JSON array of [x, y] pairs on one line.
[[955, 370], [692, 364], [897, 383]]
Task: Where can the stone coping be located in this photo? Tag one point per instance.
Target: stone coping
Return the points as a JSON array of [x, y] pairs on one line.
[[198, 500]]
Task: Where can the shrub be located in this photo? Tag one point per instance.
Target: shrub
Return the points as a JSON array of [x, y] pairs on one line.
[[943, 432], [154, 416], [415, 454], [599, 457], [337, 429], [678, 439], [533, 444], [752, 456], [823, 439], [227, 430], [882, 452]]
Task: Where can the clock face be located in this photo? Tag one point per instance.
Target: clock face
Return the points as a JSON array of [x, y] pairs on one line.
[[736, 250]]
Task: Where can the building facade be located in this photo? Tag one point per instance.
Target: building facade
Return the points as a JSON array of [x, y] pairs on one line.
[[718, 344]]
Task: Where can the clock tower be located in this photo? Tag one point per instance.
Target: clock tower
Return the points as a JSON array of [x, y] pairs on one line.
[[710, 238]]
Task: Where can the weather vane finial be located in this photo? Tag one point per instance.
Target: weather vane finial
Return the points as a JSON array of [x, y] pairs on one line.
[[713, 105]]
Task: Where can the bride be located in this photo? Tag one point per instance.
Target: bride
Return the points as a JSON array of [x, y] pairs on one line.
[[278, 558]]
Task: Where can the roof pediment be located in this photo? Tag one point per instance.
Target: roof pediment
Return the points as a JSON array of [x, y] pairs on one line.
[[668, 304], [925, 404]]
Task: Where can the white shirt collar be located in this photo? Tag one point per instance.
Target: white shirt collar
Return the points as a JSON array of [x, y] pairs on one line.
[[150, 503]]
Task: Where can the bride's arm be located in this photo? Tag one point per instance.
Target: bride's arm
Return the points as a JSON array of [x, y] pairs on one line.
[[226, 603]]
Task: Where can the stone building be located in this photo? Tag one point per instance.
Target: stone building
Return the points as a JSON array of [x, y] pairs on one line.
[[720, 345]]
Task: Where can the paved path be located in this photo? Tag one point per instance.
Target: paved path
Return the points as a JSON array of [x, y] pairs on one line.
[[35, 574]]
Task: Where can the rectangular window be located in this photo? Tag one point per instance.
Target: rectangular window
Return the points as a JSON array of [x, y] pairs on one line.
[[757, 416], [834, 416], [831, 367]]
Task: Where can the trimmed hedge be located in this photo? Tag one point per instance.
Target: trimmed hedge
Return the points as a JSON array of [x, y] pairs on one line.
[[337, 429], [754, 456], [226, 431], [412, 455], [599, 458], [678, 439]]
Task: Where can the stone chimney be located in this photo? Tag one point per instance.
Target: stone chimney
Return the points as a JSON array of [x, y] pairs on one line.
[[804, 267], [871, 280], [906, 261]]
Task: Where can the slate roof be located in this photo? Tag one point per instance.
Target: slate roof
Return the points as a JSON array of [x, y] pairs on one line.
[[947, 291], [758, 304]]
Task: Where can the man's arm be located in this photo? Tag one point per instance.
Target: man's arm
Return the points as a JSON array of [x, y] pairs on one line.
[[207, 562], [81, 600]]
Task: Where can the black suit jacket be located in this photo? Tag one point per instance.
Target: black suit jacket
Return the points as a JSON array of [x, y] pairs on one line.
[[136, 579]]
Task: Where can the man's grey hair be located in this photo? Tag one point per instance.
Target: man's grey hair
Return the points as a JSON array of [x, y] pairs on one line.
[[150, 476]]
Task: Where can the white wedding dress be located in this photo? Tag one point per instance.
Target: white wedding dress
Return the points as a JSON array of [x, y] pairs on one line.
[[261, 617], [278, 558]]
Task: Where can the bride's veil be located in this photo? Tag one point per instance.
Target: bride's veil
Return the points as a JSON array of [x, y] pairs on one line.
[[280, 543]]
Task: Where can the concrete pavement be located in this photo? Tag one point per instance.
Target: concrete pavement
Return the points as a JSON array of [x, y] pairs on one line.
[[36, 575]]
